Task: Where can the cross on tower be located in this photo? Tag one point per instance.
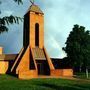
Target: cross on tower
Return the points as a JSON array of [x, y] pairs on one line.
[[32, 1]]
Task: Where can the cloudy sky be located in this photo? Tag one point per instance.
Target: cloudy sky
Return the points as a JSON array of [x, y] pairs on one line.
[[60, 16]]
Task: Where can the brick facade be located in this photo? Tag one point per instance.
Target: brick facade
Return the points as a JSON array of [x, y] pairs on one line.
[[33, 59]]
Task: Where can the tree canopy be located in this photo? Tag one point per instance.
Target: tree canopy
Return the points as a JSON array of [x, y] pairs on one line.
[[78, 47]]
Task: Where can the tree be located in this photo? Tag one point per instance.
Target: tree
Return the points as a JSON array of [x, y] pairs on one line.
[[78, 47], [4, 21], [86, 52]]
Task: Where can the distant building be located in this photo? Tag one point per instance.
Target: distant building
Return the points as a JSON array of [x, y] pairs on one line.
[[33, 59]]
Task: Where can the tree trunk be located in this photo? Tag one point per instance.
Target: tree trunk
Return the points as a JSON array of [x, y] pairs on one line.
[[86, 72], [80, 68]]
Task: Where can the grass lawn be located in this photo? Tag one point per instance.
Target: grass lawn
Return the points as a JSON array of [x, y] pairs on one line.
[[12, 83], [82, 75]]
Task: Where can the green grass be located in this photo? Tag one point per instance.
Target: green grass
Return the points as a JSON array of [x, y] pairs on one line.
[[12, 83], [82, 75]]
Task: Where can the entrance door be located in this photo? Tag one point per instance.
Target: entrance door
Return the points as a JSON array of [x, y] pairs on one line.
[[40, 68], [43, 68]]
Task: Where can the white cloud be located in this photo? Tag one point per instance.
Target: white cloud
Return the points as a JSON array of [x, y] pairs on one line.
[[53, 47], [60, 16], [8, 13]]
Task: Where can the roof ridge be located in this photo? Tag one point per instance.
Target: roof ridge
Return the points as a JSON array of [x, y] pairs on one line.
[[35, 8]]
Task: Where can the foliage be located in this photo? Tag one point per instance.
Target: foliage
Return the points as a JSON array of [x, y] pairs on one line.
[[4, 21], [8, 20], [81, 75], [19, 1], [78, 46], [11, 83]]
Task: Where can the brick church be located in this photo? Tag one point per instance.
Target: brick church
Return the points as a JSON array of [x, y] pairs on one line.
[[33, 60]]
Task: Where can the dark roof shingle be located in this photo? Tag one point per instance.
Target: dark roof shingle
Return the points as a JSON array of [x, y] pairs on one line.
[[7, 57]]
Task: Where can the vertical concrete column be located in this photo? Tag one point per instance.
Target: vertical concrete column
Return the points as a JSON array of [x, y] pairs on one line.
[[3, 64], [1, 50], [3, 67]]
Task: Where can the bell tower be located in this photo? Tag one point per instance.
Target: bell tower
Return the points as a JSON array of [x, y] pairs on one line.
[[33, 59], [34, 27]]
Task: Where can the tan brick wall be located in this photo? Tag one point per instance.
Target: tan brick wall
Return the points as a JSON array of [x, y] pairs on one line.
[[56, 72], [29, 74], [67, 72], [36, 18], [1, 50], [24, 62], [62, 72], [3, 67]]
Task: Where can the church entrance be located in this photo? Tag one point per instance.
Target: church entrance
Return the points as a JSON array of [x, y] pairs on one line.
[[37, 34], [43, 68], [40, 69]]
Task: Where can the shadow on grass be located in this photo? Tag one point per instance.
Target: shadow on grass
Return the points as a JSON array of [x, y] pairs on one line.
[[12, 75], [84, 86]]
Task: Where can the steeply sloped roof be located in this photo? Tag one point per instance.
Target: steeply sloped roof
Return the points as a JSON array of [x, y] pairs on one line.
[[35, 8]]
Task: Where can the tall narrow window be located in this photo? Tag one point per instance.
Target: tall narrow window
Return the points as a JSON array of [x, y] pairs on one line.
[[36, 34]]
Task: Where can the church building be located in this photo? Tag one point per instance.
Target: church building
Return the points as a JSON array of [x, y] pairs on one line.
[[33, 60]]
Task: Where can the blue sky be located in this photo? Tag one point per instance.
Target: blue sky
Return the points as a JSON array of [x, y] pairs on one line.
[[60, 16]]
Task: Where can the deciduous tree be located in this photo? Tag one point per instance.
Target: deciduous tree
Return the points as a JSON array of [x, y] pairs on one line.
[[78, 47]]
